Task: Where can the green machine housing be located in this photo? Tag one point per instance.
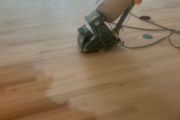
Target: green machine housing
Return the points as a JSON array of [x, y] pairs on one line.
[[100, 37]]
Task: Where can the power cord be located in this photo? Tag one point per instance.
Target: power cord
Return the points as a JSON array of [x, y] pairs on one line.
[[163, 28]]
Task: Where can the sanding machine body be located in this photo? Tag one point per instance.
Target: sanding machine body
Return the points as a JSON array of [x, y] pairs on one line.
[[99, 37]]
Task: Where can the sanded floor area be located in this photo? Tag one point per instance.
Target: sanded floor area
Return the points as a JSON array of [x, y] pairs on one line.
[[44, 76]]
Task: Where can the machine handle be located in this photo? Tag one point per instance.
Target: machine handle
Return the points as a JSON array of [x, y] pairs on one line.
[[120, 23]]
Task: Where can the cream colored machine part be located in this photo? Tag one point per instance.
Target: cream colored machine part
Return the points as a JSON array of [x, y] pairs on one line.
[[112, 9]]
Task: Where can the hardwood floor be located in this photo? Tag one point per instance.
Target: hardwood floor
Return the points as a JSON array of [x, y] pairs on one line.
[[43, 75]]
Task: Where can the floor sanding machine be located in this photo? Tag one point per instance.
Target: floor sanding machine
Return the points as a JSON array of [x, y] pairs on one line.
[[100, 37]]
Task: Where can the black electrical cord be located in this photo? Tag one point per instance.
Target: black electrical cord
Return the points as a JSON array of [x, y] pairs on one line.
[[141, 28], [169, 38], [156, 24], [163, 28], [122, 43]]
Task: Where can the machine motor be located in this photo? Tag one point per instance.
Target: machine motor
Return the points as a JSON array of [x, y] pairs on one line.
[[98, 38]]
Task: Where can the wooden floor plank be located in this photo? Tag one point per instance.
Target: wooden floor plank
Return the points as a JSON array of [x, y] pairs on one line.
[[44, 76]]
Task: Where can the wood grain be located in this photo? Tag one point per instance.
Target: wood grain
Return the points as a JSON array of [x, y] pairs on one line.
[[44, 76]]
